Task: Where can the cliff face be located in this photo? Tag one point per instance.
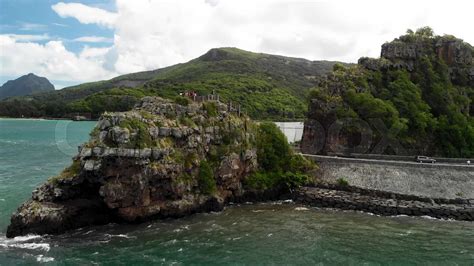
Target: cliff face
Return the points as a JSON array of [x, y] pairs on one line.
[[407, 50], [160, 160], [419, 96], [25, 85]]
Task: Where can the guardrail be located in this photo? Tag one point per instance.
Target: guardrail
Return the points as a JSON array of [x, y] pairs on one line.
[[405, 158], [335, 159]]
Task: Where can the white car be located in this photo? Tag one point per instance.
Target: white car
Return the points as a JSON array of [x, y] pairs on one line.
[[424, 159]]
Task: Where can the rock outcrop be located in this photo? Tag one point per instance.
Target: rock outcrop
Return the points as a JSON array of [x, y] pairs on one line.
[[148, 162], [406, 51], [419, 77]]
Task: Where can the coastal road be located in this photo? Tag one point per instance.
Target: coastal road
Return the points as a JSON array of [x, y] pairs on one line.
[[363, 160]]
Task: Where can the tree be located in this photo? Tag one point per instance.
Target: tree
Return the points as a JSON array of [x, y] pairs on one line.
[[425, 32], [273, 150]]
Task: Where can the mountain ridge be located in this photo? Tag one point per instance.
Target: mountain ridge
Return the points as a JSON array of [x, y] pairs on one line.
[[256, 80]]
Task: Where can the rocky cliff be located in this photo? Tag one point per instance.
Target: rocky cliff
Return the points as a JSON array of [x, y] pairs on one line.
[[405, 53], [417, 98], [160, 160]]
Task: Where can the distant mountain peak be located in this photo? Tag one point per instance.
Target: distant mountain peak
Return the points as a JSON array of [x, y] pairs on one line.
[[25, 85], [222, 53]]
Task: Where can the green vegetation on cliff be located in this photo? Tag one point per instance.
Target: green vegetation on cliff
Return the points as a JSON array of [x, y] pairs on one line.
[[278, 165], [207, 183], [422, 94], [266, 86]]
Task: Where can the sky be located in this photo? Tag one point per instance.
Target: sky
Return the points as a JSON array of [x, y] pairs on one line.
[[72, 42]]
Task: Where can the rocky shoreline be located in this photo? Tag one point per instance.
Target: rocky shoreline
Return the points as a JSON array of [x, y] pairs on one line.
[[384, 203], [81, 213], [169, 160], [161, 160]]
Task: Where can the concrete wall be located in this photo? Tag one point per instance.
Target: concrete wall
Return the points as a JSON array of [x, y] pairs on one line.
[[427, 180], [409, 158]]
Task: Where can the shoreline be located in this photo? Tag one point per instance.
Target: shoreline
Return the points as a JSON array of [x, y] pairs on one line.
[[384, 203], [45, 119], [324, 196], [285, 201]]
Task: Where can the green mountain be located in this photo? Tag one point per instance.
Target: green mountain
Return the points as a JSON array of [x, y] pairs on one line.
[[25, 85], [267, 86], [417, 98]]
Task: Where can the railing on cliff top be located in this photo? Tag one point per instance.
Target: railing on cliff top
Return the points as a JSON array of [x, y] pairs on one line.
[[293, 132], [231, 107]]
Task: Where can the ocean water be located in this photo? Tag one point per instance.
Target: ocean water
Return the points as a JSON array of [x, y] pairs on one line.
[[259, 234]]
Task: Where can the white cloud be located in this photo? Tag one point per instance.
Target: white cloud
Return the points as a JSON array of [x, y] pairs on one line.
[[94, 53], [93, 39], [85, 14], [153, 34], [51, 60], [32, 27], [27, 37], [60, 25]]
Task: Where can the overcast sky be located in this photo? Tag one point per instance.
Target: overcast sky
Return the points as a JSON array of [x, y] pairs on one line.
[[72, 42]]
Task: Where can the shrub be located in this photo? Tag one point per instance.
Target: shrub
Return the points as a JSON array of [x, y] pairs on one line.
[[279, 167], [142, 138], [68, 172], [267, 180], [95, 132], [186, 121], [261, 180], [342, 182], [207, 183], [185, 101], [338, 67], [293, 180], [210, 108], [273, 150], [190, 160], [298, 163]]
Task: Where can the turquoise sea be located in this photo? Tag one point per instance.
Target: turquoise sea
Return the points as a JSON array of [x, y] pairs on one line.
[[271, 233]]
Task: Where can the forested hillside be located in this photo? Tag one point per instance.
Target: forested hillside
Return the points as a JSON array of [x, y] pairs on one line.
[[267, 86]]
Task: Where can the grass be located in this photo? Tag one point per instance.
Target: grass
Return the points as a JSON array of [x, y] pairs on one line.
[[142, 139], [187, 121], [71, 171], [210, 108]]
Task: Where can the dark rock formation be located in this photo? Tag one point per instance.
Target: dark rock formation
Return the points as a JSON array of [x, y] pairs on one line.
[[324, 130], [384, 203], [25, 85], [146, 163], [406, 51]]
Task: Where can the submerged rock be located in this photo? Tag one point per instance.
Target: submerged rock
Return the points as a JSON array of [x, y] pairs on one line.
[[146, 163]]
